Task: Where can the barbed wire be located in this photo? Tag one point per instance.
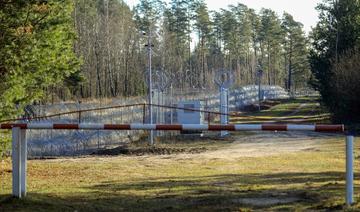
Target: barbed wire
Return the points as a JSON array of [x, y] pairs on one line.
[[115, 107]]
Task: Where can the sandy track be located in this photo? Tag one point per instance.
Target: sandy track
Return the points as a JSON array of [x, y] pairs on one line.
[[269, 143], [258, 144]]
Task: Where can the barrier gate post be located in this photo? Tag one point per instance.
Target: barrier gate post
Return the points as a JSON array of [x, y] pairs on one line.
[[19, 157], [349, 170]]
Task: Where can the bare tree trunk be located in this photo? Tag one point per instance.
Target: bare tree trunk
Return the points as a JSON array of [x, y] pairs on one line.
[[97, 59], [108, 61], [290, 67]]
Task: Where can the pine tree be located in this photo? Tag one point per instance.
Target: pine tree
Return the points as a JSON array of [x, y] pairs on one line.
[[202, 25], [36, 51], [270, 45], [295, 55], [337, 32]]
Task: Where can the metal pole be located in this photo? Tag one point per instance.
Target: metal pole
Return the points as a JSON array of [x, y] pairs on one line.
[[15, 155], [79, 118], [171, 103], [158, 118], [23, 158], [259, 74], [144, 113], [349, 170], [259, 92], [223, 107], [150, 88], [19, 156], [227, 106]]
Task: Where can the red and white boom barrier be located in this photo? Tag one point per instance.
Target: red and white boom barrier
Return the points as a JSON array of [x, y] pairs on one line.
[[19, 145], [180, 127]]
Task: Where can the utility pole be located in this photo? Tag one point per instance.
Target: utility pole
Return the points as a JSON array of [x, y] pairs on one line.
[[149, 45]]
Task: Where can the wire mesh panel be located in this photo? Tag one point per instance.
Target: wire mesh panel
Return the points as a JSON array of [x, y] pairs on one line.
[[64, 142], [75, 142]]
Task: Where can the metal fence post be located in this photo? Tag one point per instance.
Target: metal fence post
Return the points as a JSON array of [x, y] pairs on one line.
[[144, 113], [23, 158], [79, 117], [223, 109], [349, 170], [19, 156], [15, 154]]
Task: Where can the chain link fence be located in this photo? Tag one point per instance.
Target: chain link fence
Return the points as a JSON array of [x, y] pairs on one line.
[[47, 143]]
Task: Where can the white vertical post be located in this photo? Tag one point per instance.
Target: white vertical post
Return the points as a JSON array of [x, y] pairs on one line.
[[19, 157], [16, 160], [349, 170], [259, 74], [223, 109], [259, 94], [227, 105], [23, 158], [171, 104]]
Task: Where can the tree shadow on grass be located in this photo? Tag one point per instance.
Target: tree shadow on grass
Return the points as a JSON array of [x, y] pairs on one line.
[[282, 191]]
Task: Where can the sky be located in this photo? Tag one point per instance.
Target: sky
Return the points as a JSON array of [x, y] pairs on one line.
[[302, 10]]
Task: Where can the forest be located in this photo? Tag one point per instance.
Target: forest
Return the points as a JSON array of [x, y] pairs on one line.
[[86, 49], [189, 43]]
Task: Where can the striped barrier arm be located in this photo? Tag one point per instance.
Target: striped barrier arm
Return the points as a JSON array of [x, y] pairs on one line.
[[179, 127]]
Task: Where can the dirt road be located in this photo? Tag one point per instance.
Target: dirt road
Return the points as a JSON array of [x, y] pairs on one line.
[[258, 144], [270, 143]]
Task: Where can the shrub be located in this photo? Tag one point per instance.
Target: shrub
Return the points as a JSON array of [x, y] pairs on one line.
[[5, 143]]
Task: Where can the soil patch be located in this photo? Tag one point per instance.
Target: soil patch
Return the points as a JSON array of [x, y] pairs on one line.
[[265, 105], [275, 198], [267, 201], [125, 150]]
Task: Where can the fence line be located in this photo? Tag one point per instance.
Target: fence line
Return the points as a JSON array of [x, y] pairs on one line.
[[239, 97], [51, 143], [79, 112]]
